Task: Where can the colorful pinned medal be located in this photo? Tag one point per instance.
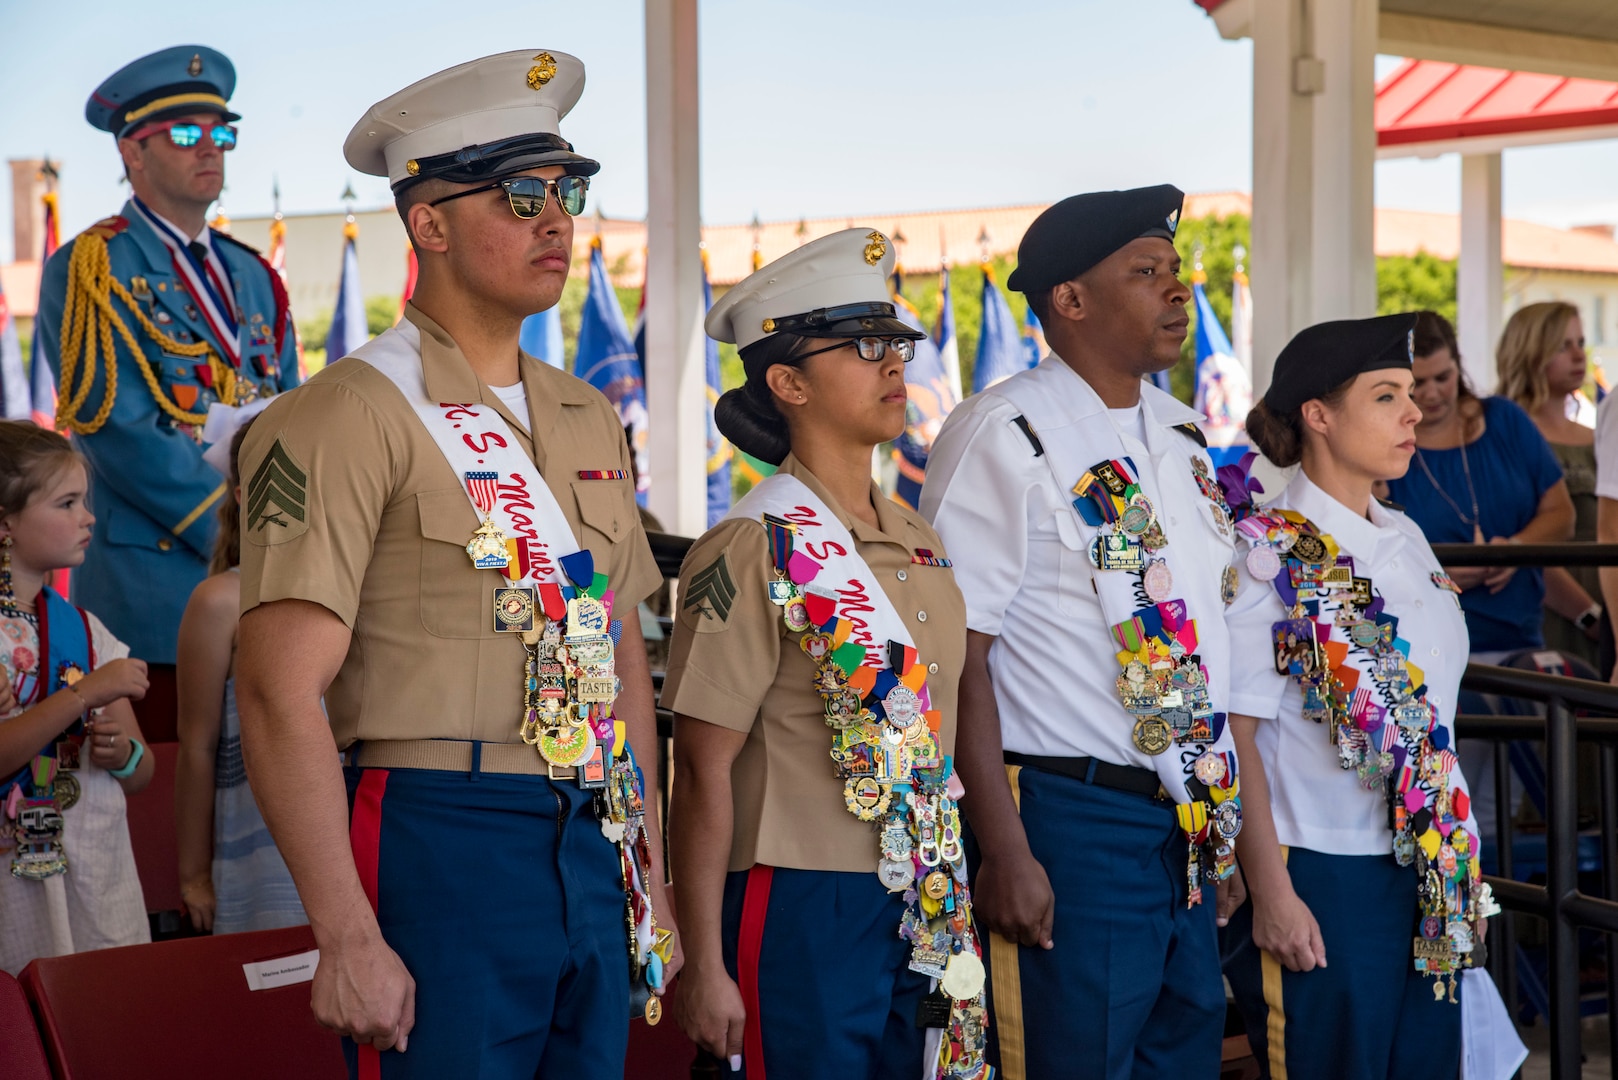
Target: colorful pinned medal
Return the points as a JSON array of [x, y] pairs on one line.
[[487, 548], [886, 748]]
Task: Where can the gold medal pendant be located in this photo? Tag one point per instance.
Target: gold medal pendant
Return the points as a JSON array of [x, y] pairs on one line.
[[487, 548]]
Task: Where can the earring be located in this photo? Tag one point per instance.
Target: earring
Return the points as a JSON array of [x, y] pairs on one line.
[[8, 599]]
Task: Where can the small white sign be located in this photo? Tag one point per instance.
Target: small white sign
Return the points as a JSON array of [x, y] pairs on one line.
[[282, 971]]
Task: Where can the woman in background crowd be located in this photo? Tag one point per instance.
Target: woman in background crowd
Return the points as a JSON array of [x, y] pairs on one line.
[[1542, 365], [1482, 473]]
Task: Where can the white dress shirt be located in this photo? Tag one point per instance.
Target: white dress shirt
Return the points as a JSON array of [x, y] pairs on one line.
[[1316, 803], [1022, 559]]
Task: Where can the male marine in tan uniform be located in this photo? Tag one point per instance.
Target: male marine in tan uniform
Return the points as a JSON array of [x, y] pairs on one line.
[[467, 901]]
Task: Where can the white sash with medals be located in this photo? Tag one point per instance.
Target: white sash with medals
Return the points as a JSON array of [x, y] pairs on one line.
[[515, 502], [845, 577], [1176, 706], [567, 704], [847, 582]]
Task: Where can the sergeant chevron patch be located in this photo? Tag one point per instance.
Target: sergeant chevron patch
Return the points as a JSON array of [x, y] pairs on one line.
[[709, 596], [277, 502]]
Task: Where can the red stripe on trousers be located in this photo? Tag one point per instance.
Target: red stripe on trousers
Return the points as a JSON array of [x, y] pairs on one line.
[[755, 903], [365, 838]]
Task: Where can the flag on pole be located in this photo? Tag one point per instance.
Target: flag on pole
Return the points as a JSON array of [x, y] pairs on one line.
[[541, 336], [607, 360], [949, 350], [930, 399], [719, 451], [348, 331], [1241, 316], [43, 391], [1033, 338], [1224, 394], [15, 399], [278, 262], [1001, 353]]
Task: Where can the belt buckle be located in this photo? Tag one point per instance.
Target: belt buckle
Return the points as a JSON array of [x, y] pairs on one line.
[[569, 772]]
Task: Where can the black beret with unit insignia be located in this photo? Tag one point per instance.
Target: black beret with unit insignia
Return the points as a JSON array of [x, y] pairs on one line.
[[1324, 356], [1081, 230]]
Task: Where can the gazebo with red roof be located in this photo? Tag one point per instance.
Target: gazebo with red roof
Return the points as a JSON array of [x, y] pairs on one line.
[[1485, 75]]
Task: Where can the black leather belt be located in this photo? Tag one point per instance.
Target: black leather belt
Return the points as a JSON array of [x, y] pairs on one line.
[[1088, 770]]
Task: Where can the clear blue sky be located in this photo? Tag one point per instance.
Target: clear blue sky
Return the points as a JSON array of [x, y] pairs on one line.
[[809, 107]]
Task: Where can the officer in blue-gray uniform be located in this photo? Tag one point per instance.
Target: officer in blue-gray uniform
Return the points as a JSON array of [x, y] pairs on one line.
[[194, 318]]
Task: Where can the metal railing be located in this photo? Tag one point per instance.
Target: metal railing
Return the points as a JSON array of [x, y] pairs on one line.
[[1565, 908], [1560, 902]]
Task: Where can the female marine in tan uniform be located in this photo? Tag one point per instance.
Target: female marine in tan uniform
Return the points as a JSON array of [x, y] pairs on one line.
[[816, 843]]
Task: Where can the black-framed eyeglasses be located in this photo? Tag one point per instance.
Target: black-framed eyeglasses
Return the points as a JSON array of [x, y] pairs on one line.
[[527, 194], [871, 348]]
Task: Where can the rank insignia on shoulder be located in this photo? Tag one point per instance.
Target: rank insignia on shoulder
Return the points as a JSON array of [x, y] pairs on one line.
[[925, 557], [709, 596], [277, 498]]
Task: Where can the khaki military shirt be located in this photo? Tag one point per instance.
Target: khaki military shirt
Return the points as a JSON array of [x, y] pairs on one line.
[[365, 516], [734, 664]]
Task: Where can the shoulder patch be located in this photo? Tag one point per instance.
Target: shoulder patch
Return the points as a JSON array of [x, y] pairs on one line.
[[708, 597], [277, 507], [109, 227], [1194, 433], [1028, 433]]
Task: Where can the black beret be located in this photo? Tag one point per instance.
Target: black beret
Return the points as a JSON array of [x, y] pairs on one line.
[[1323, 357], [1081, 230]]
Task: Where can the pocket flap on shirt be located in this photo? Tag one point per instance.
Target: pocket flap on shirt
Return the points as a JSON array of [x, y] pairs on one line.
[[606, 506], [446, 515]]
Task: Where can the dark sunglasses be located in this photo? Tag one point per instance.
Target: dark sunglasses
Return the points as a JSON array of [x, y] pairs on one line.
[[185, 135], [526, 194], [871, 348]]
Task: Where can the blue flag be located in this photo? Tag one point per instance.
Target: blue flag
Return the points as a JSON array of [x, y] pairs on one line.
[[348, 330], [15, 400], [1224, 394], [606, 359], [1033, 338], [1001, 353], [930, 400], [718, 449], [541, 336]]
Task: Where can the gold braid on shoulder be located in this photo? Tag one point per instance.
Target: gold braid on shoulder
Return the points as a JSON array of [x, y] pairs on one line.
[[88, 321]]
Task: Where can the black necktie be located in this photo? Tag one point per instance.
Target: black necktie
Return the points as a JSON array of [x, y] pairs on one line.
[[199, 249]]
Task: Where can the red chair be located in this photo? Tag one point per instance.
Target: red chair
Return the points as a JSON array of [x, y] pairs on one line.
[[22, 1055], [180, 1009], [151, 832]]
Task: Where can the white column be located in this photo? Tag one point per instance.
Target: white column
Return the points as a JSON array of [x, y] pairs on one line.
[[1280, 269], [1480, 278], [1344, 257], [1314, 156], [674, 338]]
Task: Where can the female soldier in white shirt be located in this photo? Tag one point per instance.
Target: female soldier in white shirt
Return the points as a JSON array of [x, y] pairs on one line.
[[1360, 851]]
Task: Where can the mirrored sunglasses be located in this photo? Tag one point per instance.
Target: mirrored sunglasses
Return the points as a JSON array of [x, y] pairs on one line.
[[186, 135], [527, 194]]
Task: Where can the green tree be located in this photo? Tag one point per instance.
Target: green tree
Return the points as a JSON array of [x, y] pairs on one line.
[[1415, 283]]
